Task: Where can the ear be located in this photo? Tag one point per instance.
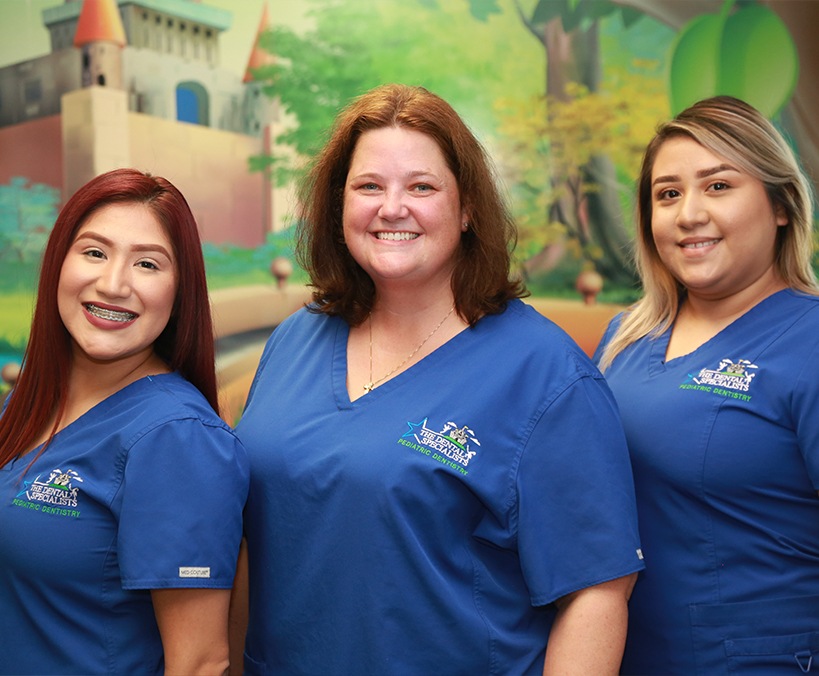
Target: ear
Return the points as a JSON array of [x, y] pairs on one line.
[[781, 215], [464, 218]]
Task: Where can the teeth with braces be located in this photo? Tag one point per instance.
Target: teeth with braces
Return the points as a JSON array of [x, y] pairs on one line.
[[113, 315]]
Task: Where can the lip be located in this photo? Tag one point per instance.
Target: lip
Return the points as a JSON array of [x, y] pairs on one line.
[[108, 316]]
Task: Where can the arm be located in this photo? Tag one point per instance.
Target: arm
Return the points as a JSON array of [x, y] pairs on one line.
[[193, 624], [589, 632], [237, 620]]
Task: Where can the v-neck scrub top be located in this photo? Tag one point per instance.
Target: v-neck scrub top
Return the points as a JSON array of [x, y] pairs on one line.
[[144, 491], [426, 527], [724, 444]]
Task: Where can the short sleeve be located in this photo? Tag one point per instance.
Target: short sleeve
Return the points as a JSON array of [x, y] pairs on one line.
[[184, 489], [577, 518]]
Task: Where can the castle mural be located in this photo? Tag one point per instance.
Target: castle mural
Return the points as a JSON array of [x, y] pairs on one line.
[[141, 85]]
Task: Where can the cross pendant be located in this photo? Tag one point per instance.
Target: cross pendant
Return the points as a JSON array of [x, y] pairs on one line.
[[369, 387]]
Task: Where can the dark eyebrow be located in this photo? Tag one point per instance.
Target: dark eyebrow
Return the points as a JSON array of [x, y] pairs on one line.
[[702, 173], [145, 248]]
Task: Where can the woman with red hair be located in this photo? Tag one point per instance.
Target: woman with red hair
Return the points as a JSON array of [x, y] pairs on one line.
[[121, 490]]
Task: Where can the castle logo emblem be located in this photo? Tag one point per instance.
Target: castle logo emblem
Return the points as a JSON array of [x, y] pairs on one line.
[[454, 445], [57, 494], [729, 375]]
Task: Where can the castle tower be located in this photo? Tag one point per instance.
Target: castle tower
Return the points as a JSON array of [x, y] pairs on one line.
[[95, 118], [101, 37]]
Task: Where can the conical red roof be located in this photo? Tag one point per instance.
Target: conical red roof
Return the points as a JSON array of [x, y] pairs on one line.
[[258, 57], [99, 21]]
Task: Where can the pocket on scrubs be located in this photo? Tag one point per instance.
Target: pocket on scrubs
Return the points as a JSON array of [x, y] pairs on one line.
[[774, 654], [774, 636], [252, 667]]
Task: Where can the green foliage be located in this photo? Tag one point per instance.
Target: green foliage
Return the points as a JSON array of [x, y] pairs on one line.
[[27, 214], [747, 53], [229, 265], [563, 136], [482, 9], [438, 44], [579, 14]]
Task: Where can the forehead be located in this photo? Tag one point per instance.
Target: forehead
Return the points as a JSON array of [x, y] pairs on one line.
[[127, 223], [683, 151], [397, 144]]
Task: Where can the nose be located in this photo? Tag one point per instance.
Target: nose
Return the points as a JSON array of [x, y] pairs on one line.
[[692, 211], [392, 206], [114, 280]]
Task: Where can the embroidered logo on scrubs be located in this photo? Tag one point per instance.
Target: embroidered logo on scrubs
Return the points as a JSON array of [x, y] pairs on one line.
[[451, 446], [55, 495], [730, 379]]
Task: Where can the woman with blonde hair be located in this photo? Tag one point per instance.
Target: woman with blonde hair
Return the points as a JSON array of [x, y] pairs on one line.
[[716, 373]]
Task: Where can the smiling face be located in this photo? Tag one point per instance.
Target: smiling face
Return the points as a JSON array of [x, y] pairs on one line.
[[402, 212], [713, 225], [117, 284]]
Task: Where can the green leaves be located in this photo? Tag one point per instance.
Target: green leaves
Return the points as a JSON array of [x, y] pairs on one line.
[[747, 53]]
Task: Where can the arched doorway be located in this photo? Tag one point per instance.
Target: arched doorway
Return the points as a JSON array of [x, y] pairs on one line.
[[192, 103]]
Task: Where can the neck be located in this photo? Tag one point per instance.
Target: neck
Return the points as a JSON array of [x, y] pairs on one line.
[[398, 310], [716, 309], [90, 382]]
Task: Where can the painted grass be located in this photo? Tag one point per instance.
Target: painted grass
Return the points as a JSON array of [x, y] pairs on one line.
[[15, 319]]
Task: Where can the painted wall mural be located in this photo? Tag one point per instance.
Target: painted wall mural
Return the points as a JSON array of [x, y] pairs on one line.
[[230, 98]]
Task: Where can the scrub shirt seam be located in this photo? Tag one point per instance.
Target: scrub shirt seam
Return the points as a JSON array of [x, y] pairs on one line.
[[525, 436], [534, 419], [712, 540], [792, 395], [477, 600]]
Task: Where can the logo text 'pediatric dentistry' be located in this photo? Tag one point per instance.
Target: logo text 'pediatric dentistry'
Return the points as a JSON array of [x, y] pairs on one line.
[[452, 446], [730, 379], [57, 495]]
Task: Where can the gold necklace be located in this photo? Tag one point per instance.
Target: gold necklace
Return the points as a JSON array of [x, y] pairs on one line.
[[368, 387]]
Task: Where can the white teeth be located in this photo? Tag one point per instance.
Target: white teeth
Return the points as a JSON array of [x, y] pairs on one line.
[[700, 245], [396, 236], [113, 315]]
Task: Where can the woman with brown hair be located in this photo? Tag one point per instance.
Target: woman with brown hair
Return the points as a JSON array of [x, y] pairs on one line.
[[439, 480]]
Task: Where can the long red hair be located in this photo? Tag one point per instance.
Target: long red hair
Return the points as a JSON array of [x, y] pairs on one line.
[[186, 344]]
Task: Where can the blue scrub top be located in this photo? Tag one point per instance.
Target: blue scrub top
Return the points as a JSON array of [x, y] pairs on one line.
[[426, 527], [724, 443], [144, 491]]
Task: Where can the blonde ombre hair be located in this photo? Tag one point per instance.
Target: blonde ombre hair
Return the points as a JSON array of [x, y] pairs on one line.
[[736, 131]]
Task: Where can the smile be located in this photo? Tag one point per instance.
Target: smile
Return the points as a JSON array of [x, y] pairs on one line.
[[397, 236], [113, 315], [700, 245]]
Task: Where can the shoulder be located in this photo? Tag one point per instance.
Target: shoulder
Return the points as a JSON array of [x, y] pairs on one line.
[[303, 327], [788, 315], [791, 298], [166, 399], [303, 322], [526, 333]]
